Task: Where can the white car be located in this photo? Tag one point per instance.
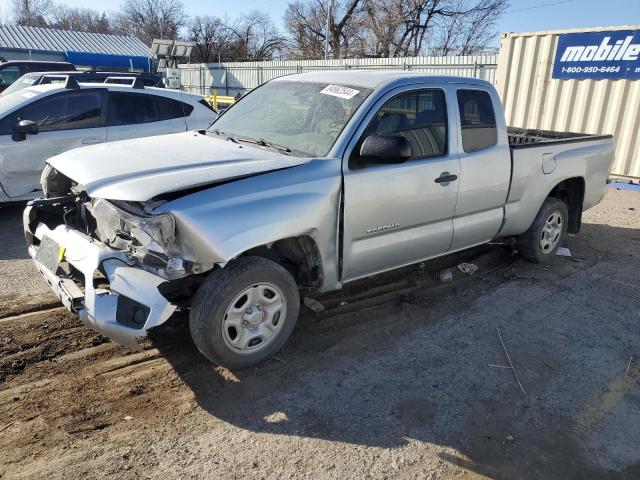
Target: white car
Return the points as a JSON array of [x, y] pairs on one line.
[[42, 121]]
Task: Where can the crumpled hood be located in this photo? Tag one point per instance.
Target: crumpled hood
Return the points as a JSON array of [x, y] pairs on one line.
[[142, 168]]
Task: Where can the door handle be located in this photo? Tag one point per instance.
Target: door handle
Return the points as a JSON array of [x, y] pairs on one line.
[[446, 177], [90, 141]]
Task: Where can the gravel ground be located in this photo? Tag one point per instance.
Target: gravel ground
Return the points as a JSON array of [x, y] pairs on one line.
[[406, 380]]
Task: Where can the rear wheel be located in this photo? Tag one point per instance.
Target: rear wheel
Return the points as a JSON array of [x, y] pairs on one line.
[[541, 241], [244, 313]]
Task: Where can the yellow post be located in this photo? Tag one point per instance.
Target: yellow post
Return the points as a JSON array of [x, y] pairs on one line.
[[215, 99]]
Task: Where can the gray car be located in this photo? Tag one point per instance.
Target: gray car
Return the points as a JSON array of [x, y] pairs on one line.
[[307, 183]]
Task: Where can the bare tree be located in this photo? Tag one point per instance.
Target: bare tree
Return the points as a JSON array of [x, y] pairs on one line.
[[469, 30], [410, 27], [384, 24], [255, 37], [31, 13], [211, 37], [479, 26], [149, 19], [305, 23], [79, 19]]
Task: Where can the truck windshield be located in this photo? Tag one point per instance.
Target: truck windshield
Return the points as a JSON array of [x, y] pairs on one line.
[[303, 117]]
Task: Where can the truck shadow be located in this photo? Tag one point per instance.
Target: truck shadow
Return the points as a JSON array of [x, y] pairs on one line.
[[11, 235], [410, 367]]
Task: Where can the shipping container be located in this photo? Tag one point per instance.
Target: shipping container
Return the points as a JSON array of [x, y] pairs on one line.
[[532, 98]]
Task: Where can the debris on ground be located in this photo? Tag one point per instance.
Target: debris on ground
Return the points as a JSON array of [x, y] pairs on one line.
[[18, 365], [313, 304], [563, 252], [445, 276], [513, 369], [468, 268], [136, 390], [99, 340], [509, 438]]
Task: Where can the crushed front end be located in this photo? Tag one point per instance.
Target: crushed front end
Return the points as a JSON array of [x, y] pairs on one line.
[[108, 262]]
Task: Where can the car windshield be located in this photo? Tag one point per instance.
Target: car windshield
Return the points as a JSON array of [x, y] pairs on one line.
[[303, 117], [23, 82]]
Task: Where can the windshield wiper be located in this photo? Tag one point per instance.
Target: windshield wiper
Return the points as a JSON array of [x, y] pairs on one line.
[[263, 143], [222, 134]]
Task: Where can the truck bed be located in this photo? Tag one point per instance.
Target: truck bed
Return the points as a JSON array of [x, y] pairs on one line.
[[523, 138]]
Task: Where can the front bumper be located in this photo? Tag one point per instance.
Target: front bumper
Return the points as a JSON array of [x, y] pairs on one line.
[[129, 291]]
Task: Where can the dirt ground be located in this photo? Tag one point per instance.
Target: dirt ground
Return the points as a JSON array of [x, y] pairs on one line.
[[401, 377]]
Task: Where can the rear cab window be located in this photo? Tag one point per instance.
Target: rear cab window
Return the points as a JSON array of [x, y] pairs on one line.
[[478, 120]]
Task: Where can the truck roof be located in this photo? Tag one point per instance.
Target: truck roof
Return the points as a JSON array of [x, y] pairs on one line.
[[376, 78]]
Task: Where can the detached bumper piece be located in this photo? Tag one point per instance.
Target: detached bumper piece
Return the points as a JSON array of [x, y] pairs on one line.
[[97, 283]]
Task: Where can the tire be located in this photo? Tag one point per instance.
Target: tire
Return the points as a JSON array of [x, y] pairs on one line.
[[532, 245], [244, 313]]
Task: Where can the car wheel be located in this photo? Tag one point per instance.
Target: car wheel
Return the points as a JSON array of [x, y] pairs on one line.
[[541, 241], [244, 313]]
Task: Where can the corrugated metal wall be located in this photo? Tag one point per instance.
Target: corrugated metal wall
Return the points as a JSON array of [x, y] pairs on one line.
[[228, 78], [532, 99], [14, 37]]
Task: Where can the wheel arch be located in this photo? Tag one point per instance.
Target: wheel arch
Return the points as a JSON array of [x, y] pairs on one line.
[[571, 192], [300, 255]]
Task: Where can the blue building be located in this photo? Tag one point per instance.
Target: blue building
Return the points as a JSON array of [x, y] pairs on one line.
[[85, 50]]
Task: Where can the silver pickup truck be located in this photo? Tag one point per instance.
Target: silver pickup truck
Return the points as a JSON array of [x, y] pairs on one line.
[[308, 182]]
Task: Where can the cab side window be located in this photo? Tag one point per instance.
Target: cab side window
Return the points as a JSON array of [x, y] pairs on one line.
[[65, 111], [478, 120], [419, 116]]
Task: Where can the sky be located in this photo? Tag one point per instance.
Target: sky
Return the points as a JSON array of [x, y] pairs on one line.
[[522, 15]]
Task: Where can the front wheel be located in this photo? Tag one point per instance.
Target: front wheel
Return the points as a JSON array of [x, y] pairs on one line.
[[244, 313], [541, 241]]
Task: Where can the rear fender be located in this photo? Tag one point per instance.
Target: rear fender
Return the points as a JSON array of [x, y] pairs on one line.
[[530, 185]]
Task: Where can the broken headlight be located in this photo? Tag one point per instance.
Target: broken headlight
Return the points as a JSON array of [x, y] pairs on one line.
[[118, 227]]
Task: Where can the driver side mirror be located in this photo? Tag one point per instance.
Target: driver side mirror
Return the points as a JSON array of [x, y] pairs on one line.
[[383, 149], [24, 128]]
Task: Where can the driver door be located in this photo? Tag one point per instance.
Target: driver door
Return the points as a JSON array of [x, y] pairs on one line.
[[398, 214]]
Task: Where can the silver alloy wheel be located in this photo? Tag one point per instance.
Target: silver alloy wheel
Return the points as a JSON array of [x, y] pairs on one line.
[[253, 318], [551, 232]]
